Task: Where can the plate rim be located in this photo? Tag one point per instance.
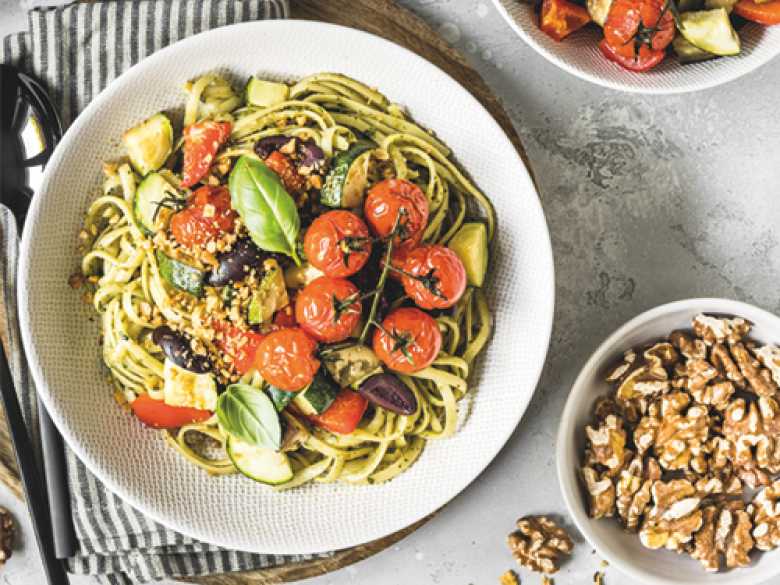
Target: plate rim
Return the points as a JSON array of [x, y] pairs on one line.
[[84, 118], [618, 85]]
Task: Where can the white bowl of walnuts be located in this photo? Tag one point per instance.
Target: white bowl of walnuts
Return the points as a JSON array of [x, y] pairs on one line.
[[669, 445]]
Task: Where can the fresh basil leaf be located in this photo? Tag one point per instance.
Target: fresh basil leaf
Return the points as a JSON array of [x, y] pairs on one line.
[[248, 414], [268, 211]]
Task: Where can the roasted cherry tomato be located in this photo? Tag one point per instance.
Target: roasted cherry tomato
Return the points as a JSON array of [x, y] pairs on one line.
[[157, 414], [201, 143], [433, 277], [328, 309], [393, 197], [241, 346], [206, 217], [408, 340], [344, 414], [646, 58], [560, 18], [281, 164], [637, 32], [338, 243], [767, 13], [286, 359]]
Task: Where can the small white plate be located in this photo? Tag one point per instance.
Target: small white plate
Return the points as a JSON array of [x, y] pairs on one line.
[[233, 511], [579, 55], [622, 550]]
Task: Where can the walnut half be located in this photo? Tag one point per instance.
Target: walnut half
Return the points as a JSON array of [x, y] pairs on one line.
[[538, 544]]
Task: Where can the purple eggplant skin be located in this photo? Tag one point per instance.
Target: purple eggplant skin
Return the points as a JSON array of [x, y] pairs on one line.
[[177, 348], [311, 155], [269, 144], [390, 393], [235, 264]]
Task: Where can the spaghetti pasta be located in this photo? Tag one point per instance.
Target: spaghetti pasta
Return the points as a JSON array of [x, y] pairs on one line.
[[133, 296]]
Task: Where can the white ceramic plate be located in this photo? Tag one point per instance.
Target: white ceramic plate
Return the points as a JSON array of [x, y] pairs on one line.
[[233, 511], [622, 550], [580, 56]]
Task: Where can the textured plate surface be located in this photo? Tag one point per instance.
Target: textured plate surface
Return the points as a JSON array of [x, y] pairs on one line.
[[580, 56], [233, 511]]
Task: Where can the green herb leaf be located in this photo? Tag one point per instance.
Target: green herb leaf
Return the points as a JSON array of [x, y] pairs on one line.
[[267, 210], [249, 415]]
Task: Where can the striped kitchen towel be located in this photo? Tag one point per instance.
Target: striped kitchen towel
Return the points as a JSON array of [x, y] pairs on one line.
[[76, 50]]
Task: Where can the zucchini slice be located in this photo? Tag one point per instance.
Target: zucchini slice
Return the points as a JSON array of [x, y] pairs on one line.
[[265, 94], [318, 396], [270, 296], [727, 4], [688, 53], [184, 388], [350, 365], [470, 243], [348, 178], [149, 206], [149, 144], [181, 275], [280, 398], [711, 31], [259, 463]]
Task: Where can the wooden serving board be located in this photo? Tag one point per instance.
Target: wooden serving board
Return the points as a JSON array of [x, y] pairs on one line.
[[395, 23]]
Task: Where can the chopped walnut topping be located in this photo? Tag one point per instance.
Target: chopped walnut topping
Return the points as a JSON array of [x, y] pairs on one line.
[[538, 543]]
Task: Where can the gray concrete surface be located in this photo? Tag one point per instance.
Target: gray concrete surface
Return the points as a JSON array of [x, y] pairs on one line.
[[648, 199]]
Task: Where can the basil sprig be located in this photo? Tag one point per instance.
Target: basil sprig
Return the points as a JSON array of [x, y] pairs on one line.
[[268, 211], [248, 414]]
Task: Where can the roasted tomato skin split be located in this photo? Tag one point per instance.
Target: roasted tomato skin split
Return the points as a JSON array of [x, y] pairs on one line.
[[391, 197], [202, 140], [767, 13], [281, 164], [344, 414], [440, 277], [240, 345], [560, 18], [156, 414], [328, 309], [337, 243], [286, 359], [408, 340], [646, 58], [206, 217]]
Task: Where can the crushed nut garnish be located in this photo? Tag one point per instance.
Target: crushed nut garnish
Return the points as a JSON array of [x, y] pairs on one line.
[[691, 420]]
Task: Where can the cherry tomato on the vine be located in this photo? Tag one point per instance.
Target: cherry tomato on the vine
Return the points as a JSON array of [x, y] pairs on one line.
[[281, 164], [408, 340], [328, 309], [207, 215], [286, 359], [434, 277], [201, 143], [393, 199], [646, 58], [157, 414], [337, 243], [637, 32]]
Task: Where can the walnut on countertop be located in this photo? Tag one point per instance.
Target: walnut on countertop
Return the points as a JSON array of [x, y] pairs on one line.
[[7, 535], [509, 578], [538, 544]]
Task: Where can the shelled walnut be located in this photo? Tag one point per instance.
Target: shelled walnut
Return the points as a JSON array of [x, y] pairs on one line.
[[692, 422], [538, 544], [7, 535]]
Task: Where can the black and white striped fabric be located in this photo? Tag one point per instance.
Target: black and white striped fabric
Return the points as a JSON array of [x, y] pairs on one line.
[[76, 50]]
